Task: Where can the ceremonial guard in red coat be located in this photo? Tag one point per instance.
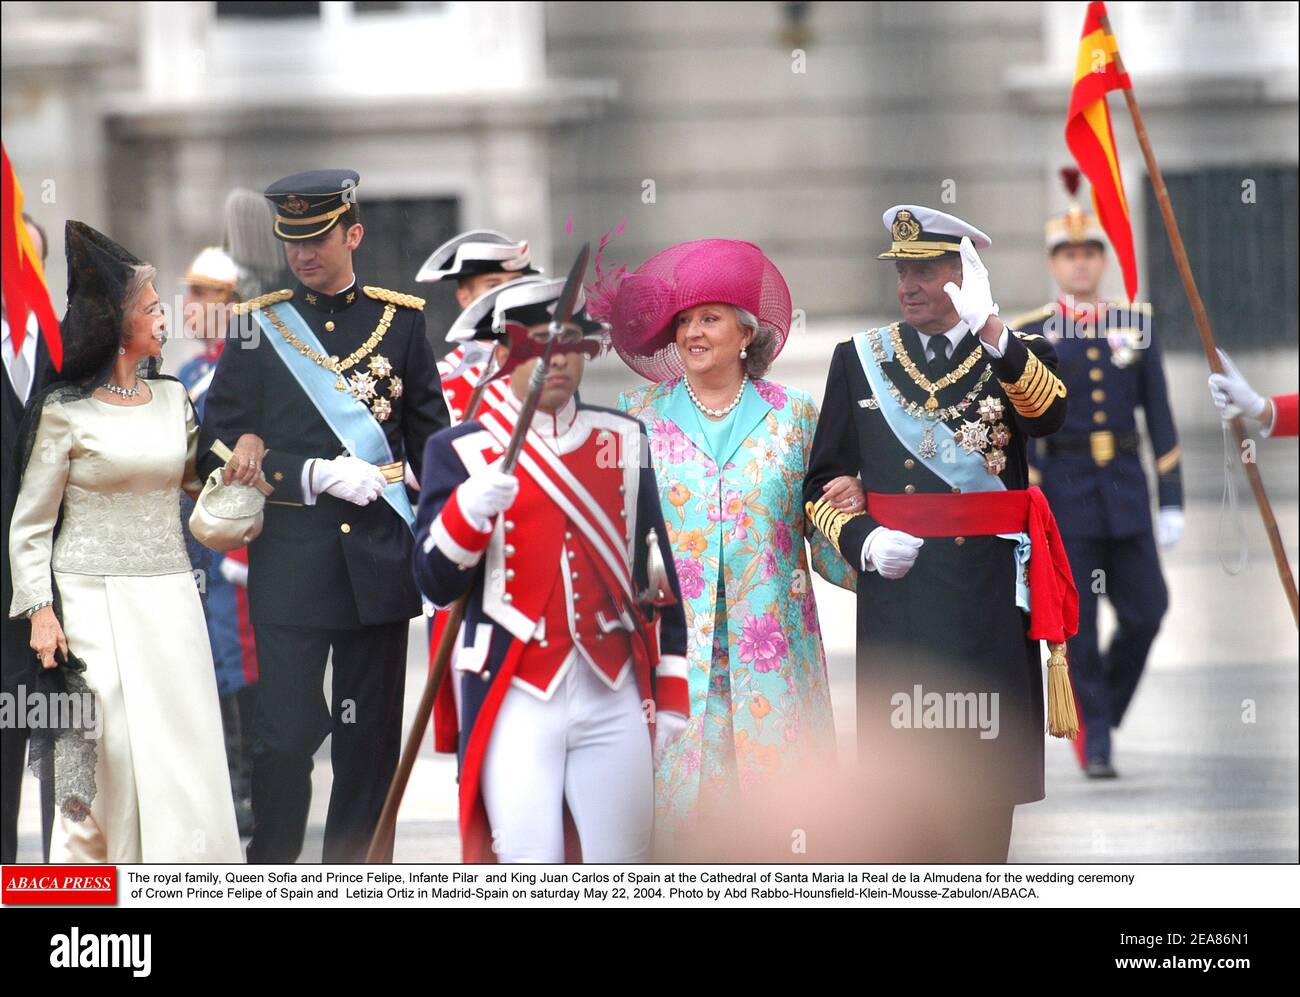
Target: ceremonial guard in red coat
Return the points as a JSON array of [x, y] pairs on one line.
[[478, 261], [567, 686], [962, 569]]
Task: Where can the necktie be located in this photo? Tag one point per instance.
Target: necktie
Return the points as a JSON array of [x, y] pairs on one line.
[[938, 350], [18, 373]]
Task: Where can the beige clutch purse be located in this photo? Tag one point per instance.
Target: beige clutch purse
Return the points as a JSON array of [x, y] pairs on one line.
[[226, 517]]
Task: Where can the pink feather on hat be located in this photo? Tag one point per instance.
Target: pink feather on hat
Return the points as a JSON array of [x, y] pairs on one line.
[[641, 306]]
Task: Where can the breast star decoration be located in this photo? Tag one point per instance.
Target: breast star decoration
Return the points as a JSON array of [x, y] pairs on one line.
[[365, 386], [988, 435]]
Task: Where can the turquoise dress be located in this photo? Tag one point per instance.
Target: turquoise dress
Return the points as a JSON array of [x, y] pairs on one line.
[[732, 495], [717, 742]]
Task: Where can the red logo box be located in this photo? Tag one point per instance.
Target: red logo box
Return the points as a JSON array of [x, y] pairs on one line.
[[58, 884]]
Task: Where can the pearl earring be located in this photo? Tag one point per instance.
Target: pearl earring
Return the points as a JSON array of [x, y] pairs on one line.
[[121, 351], [743, 353]]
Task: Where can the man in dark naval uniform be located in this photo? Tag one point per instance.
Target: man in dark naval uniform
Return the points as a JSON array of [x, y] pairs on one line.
[[331, 392], [934, 413], [1093, 476]]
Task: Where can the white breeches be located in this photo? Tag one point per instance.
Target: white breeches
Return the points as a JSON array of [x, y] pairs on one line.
[[587, 746]]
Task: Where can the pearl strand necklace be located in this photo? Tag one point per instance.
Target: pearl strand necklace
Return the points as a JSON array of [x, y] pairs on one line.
[[717, 413]]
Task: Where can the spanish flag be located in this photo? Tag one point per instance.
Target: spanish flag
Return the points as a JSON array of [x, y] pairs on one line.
[[21, 274], [1091, 140]]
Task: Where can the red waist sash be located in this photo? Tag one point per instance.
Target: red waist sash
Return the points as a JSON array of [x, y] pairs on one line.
[[1053, 599]]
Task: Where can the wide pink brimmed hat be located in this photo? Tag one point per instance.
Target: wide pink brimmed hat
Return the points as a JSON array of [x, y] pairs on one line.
[[641, 306]]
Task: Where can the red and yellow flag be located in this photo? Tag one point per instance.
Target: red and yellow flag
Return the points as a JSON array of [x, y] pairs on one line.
[[1091, 140], [21, 273]]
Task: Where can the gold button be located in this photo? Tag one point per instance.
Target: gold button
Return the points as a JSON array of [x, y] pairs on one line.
[[486, 674], [329, 326], [568, 535], [909, 463], [1098, 395], [345, 527], [1096, 374], [956, 490], [623, 513], [542, 642], [510, 574], [622, 490], [509, 550], [959, 540], [1099, 417], [574, 576], [572, 555], [1093, 353], [577, 616], [507, 598], [279, 475], [509, 525], [909, 489], [577, 596]]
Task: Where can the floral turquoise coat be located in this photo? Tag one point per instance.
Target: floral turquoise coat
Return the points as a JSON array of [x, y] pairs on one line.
[[745, 507]]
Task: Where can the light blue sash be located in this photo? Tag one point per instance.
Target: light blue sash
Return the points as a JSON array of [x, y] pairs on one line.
[[952, 464], [349, 418]]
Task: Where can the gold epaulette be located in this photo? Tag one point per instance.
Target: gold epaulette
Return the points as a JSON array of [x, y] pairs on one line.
[[1037, 388], [829, 520], [1036, 315], [262, 300], [395, 297]]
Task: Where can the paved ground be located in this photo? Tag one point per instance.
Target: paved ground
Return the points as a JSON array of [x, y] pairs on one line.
[[1208, 756]]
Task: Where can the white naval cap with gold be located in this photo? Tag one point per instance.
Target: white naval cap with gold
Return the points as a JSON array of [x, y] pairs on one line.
[[921, 233], [213, 268], [1075, 227], [477, 251]]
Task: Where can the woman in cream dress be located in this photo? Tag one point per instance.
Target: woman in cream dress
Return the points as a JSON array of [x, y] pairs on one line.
[[97, 525]]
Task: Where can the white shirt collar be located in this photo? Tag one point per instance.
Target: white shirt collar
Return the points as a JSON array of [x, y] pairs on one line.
[[563, 430], [955, 335]]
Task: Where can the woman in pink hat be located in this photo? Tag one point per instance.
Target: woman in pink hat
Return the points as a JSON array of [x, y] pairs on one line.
[[704, 320]]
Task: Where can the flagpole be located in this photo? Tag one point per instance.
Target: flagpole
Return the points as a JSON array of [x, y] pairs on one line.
[[1203, 327]]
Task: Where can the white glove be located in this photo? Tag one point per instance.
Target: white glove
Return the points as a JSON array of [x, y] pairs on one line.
[[668, 728], [485, 494], [1232, 394], [349, 478], [974, 299], [235, 572], [409, 477], [891, 552], [1169, 525]]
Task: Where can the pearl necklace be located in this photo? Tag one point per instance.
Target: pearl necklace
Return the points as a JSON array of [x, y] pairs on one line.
[[717, 413], [121, 391]]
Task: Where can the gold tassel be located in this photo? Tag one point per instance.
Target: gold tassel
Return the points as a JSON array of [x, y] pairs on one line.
[[1062, 721]]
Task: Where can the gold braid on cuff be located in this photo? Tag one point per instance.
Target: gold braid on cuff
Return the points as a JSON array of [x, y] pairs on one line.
[[1037, 388], [829, 520]]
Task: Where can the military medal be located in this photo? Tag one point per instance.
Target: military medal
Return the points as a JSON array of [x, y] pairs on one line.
[[363, 386], [928, 448], [973, 437]]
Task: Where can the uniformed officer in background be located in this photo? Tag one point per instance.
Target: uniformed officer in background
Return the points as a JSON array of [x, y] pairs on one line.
[[1111, 363], [332, 391]]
